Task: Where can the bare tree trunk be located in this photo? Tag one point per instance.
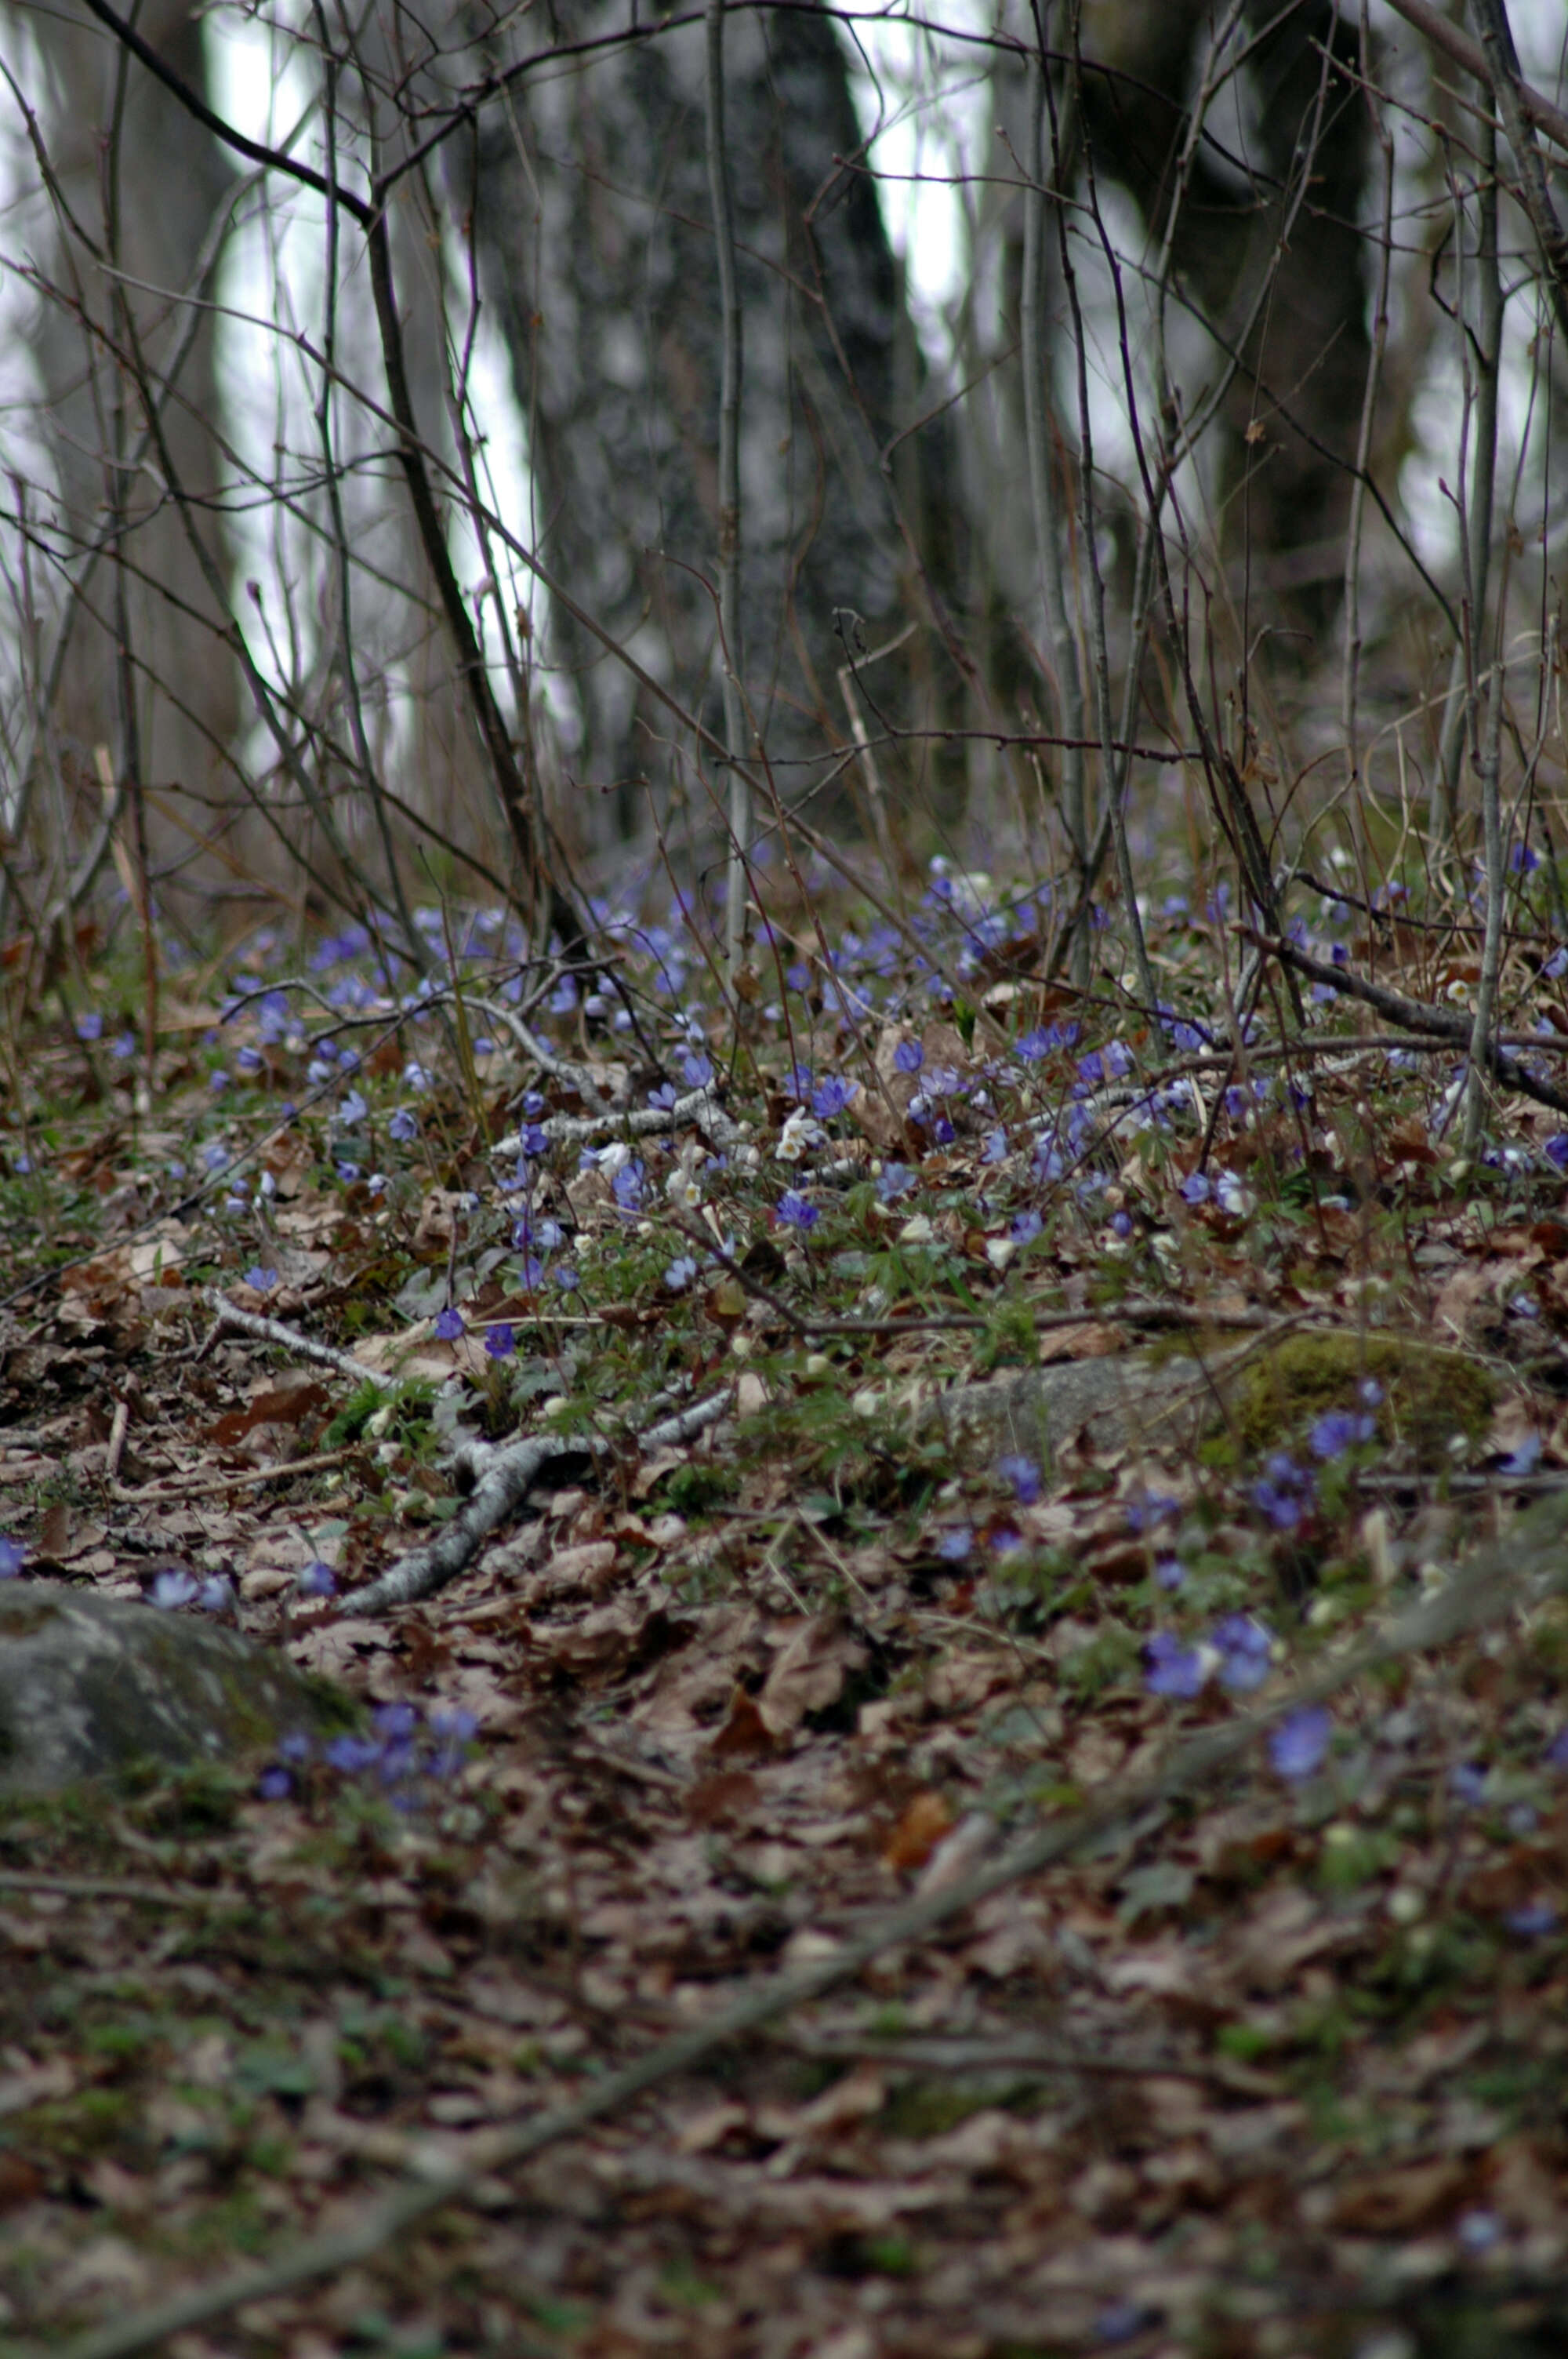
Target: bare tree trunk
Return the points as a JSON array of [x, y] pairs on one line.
[[172, 182], [592, 213]]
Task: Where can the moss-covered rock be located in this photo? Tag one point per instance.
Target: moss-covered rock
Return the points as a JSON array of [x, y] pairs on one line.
[[1428, 1395], [95, 1687]]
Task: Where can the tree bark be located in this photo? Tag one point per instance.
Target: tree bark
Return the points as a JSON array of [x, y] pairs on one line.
[[592, 215]]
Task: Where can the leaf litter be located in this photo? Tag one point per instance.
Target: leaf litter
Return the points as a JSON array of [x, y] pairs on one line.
[[1272, 2066]]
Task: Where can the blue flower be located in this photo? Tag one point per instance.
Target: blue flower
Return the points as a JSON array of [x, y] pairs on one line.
[[1033, 1045], [627, 1185], [403, 1126], [316, 1580], [1195, 1188], [995, 1148], [1297, 1747], [395, 1722], [795, 1212], [1169, 1571], [1467, 1783], [274, 1784], [1478, 2231], [680, 1273], [895, 1180], [1024, 1476], [909, 1056], [261, 1281], [449, 1324], [352, 1754], [1026, 1227], [831, 1096], [664, 1097], [1244, 1647], [1334, 1433], [1556, 1151], [12, 1557], [1537, 1917], [173, 1587], [1173, 1670], [499, 1341], [957, 1542], [90, 1028], [697, 1072]]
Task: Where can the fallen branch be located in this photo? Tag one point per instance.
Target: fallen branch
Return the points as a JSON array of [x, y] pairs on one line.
[[238, 1478], [503, 1479], [1524, 1568], [697, 1107], [227, 1314], [1413, 1014]]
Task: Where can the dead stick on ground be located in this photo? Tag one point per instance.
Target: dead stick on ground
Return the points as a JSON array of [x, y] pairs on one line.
[[503, 1479], [287, 1339], [1524, 1569]]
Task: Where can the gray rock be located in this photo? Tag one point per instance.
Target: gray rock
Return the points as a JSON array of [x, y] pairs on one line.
[[89, 1685], [1123, 1400]]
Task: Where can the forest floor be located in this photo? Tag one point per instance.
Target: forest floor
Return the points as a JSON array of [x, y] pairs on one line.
[[1271, 2058]]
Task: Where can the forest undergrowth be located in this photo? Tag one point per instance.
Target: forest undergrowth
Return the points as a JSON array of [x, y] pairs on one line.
[[952, 1391]]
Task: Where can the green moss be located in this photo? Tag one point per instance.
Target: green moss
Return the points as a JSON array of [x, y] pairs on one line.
[[1428, 1395]]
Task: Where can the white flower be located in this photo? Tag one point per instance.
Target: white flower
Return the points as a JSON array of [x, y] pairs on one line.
[[798, 1134], [683, 1190]]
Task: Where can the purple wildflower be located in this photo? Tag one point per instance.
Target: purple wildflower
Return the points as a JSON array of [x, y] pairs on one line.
[[352, 1754], [316, 1580], [1244, 1645], [1336, 1432], [449, 1324], [1297, 1747], [274, 1784], [795, 1212], [1173, 1670], [13, 1556], [1024, 1476], [831, 1096], [909, 1056], [261, 1281], [173, 1587], [501, 1341]]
